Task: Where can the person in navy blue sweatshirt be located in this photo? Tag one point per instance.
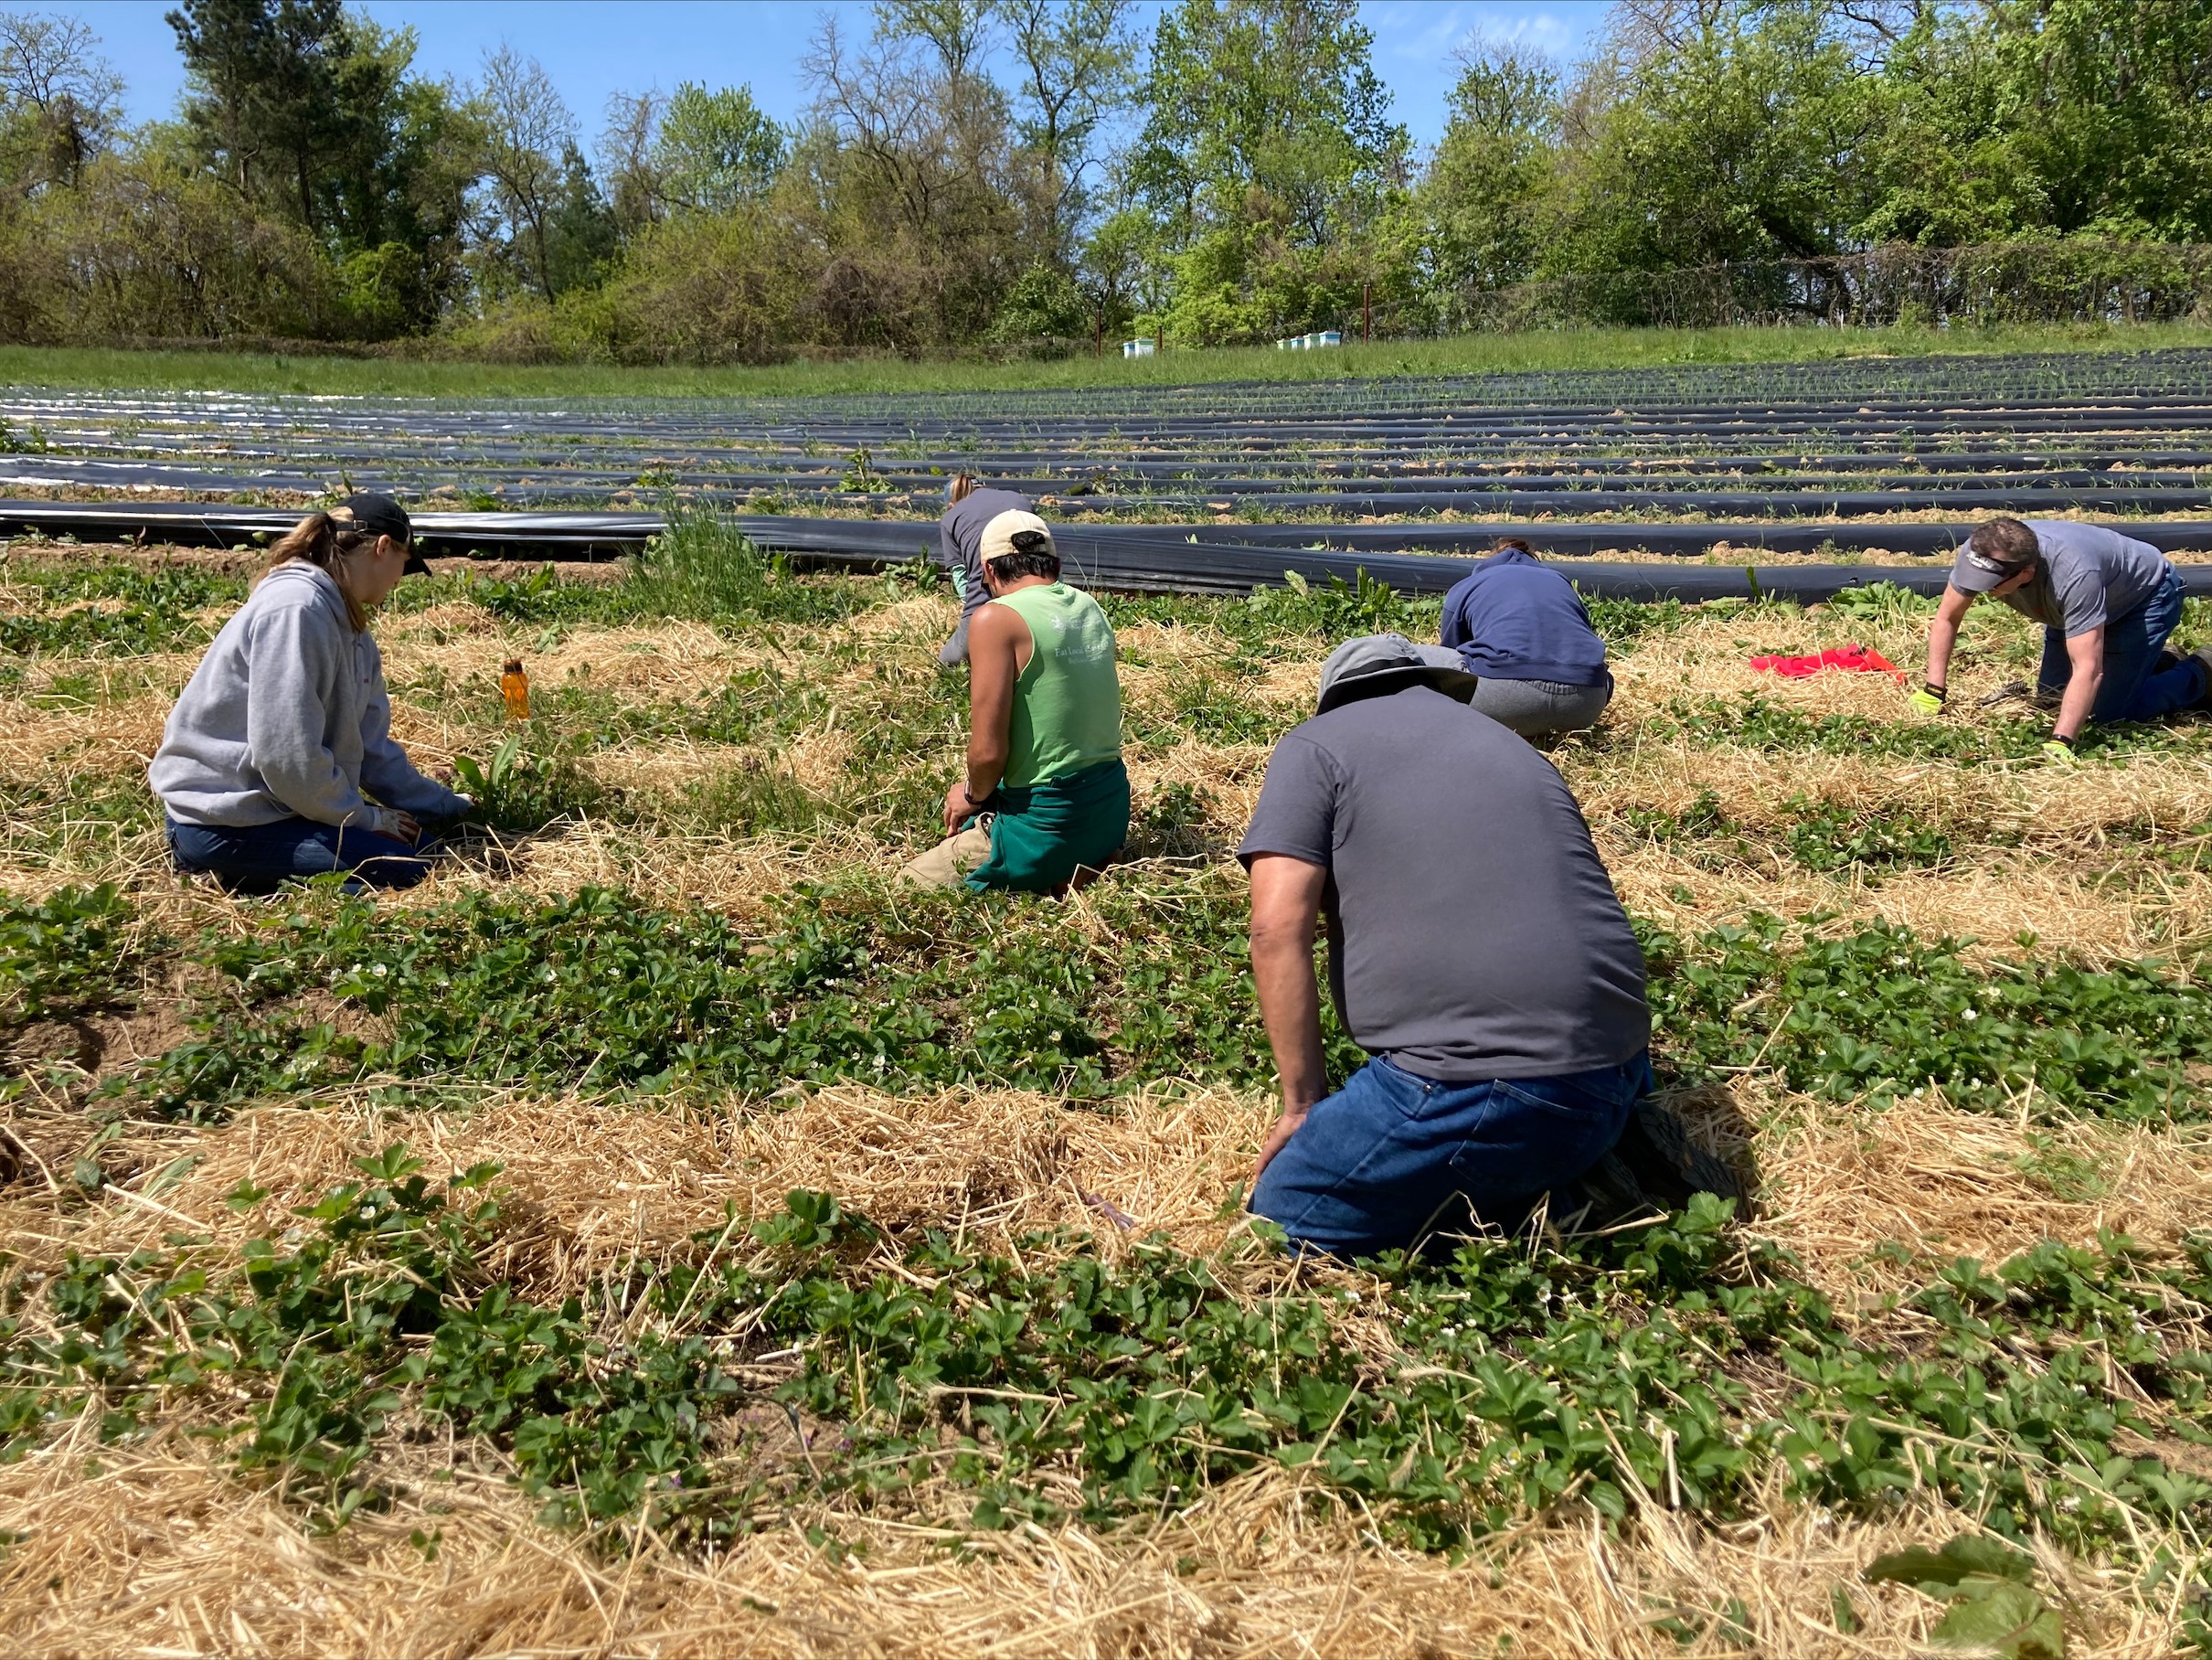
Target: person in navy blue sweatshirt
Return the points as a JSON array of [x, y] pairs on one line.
[[1521, 628]]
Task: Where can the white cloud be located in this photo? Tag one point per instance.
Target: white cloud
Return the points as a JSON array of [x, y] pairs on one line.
[[1408, 31]]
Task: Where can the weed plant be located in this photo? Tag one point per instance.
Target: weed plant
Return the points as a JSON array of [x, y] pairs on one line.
[[704, 568], [73, 952]]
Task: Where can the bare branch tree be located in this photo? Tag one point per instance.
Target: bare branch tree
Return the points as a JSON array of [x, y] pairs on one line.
[[1077, 58], [51, 71], [527, 128], [625, 157]]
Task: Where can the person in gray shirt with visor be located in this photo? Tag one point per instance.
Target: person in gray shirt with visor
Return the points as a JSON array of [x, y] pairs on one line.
[[1478, 951], [2108, 604]]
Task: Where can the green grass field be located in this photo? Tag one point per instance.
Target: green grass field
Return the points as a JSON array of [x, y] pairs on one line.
[[30, 366], [659, 1233]]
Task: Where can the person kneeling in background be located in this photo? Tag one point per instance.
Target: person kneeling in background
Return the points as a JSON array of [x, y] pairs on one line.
[[1478, 951], [1523, 632], [1044, 792], [969, 510], [286, 721], [2108, 604]]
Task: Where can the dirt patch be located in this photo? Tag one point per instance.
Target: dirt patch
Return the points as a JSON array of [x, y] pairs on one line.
[[97, 1044]]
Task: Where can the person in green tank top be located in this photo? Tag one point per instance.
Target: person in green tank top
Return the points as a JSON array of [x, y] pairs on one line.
[[1045, 794]]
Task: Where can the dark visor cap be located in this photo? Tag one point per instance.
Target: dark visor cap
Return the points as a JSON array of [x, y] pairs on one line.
[[381, 515]]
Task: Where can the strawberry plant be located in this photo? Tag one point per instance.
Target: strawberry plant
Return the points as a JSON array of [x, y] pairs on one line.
[[1669, 1364], [1826, 835], [70, 953], [1881, 1014]]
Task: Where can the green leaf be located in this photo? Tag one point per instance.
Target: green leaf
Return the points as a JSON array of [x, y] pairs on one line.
[[1941, 1572], [1845, 1611], [2004, 1618]]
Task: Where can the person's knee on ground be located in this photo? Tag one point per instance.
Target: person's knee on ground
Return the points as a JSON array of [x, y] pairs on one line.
[[1393, 1156], [1502, 996], [278, 760], [947, 864], [260, 859]]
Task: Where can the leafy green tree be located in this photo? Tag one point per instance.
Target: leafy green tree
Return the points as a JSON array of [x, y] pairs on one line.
[[266, 97], [310, 112], [1077, 60], [1123, 269], [1267, 155], [716, 151], [2063, 116], [1745, 139], [527, 131], [1044, 304], [902, 173], [1278, 97], [1476, 217], [582, 238]]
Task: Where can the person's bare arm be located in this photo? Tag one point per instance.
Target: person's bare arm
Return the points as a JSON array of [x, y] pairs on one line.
[[1943, 635], [1286, 903], [2086, 653], [995, 639]]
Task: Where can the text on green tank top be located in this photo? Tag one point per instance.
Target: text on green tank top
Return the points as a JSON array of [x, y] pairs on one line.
[[1068, 698]]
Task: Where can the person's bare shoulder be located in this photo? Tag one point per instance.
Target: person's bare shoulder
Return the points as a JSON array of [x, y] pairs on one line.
[[995, 622]]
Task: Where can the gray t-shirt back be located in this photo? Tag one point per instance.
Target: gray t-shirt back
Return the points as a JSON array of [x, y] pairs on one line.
[[2090, 575], [960, 538], [1473, 933]]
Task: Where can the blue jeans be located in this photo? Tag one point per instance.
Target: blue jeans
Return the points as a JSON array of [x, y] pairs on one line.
[[2130, 690], [259, 859], [1379, 1162]]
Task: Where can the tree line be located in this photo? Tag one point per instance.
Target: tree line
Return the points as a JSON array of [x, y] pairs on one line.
[[1035, 175]]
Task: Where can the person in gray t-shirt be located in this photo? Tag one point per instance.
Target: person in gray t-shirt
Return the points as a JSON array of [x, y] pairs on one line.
[[1477, 951], [2108, 604], [960, 539]]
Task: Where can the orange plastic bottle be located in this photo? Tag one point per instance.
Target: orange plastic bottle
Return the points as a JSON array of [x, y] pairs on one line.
[[515, 686]]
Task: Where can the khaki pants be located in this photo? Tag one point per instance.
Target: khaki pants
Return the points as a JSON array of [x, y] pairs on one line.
[[946, 864]]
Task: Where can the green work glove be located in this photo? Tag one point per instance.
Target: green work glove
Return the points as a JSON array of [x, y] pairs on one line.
[[1927, 700], [2058, 752]]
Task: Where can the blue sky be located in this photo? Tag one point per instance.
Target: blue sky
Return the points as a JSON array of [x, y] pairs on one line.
[[594, 48]]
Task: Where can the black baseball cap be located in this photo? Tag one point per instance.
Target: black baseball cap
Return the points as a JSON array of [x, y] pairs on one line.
[[382, 514]]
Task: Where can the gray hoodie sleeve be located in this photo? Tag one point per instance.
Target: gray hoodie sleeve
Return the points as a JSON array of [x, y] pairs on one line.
[[294, 659], [386, 772]]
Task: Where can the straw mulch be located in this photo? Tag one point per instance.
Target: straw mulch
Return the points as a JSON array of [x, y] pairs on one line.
[[152, 1551]]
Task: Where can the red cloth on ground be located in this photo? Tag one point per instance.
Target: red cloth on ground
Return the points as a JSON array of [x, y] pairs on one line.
[[1856, 658]]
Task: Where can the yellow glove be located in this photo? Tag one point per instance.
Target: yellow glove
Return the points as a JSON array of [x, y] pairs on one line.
[[1927, 700], [2058, 752]]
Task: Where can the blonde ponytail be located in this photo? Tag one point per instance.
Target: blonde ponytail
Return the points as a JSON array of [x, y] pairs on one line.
[[322, 540]]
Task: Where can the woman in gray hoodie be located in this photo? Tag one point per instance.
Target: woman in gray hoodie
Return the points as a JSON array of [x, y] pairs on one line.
[[278, 761]]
